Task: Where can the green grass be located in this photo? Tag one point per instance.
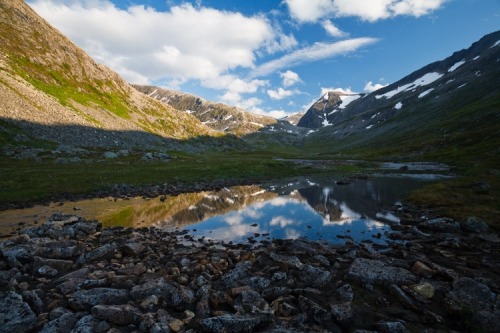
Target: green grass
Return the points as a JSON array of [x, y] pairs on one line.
[[23, 181]]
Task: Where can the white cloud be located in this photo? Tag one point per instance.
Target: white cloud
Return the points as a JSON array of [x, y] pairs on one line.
[[372, 10], [346, 91], [316, 52], [144, 44], [371, 87], [332, 30], [289, 78], [278, 114], [281, 93], [281, 221]]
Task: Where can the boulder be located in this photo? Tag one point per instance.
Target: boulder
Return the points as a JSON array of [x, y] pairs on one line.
[[117, 314], [234, 323], [376, 271], [15, 314], [442, 224], [86, 299]]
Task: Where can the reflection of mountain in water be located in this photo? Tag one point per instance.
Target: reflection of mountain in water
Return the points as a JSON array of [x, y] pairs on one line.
[[185, 209], [361, 198]]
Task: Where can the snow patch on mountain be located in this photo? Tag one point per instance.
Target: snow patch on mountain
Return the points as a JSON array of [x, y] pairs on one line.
[[455, 66], [425, 93], [423, 81], [398, 106], [496, 44], [347, 99], [476, 58]]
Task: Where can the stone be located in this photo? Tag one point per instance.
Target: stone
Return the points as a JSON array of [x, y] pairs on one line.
[[425, 289], [421, 269], [391, 327], [102, 252], [86, 299], [291, 261], [15, 314], [313, 276], [117, 314], [313, 310], [31, 297], [474, 225], [376, 271], [250, 301], [442, 224], [344, 293], [176, 325], [158, 287], [86, 324], [343, 313], [234, 323], [469, 293], [62, 324], [133, 249], [231, 278]]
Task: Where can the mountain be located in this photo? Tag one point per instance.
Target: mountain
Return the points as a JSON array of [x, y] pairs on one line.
[[218, 116], [447, 107], [294, 118], [320, 113], [52, 90]]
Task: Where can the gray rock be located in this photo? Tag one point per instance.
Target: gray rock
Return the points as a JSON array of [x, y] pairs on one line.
[[250, 301], [487, 321], [376, 271], [102, 252], [234, 323], [469, 293], [443, 224], [86, 324], [57, 264], [133, 249], [344, 293], [158, 287], [86, 299], [291, 261], [31, 297], [117, 314], [313, 276], [231, 278], [110, 155], [391, 327], [475, 225], [15, 314], [313, 310], [62, 324], [342, 313]]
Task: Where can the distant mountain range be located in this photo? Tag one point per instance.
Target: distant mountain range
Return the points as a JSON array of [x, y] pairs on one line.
[[454, 102], [52, 92]]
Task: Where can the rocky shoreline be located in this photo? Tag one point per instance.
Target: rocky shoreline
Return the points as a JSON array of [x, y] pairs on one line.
[[70, 275]]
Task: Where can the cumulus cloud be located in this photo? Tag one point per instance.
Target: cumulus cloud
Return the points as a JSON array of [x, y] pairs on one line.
[[346, 91], [280, 93], [371, 87], [332, 30], [316, 52], [373, 10], [289, 78], [183, 43]]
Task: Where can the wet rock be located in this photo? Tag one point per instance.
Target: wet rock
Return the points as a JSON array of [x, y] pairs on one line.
[[15, 314], [117, 314], [474, 225], [234, 323], [443, 224], [62, 324], [376, 271], [86, 299]]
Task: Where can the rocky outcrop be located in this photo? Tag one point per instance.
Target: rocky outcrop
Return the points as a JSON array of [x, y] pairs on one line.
[[70, 275]]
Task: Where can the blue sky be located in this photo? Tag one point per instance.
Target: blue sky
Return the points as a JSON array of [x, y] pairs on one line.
[[272, 57]]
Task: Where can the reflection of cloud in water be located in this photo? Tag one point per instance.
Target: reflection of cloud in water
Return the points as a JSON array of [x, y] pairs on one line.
[[279, 201], [235, 231], [292, 234], [347, 213], [281, 221]]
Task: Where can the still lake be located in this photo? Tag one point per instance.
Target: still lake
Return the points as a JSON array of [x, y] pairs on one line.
[[305, 207]]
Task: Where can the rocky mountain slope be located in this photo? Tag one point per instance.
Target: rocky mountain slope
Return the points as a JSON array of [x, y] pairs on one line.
[[51, 89], [217, 116], [294, 118], [452, 103]]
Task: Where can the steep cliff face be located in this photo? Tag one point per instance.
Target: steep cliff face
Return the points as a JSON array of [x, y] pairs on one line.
[[54, 89]]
